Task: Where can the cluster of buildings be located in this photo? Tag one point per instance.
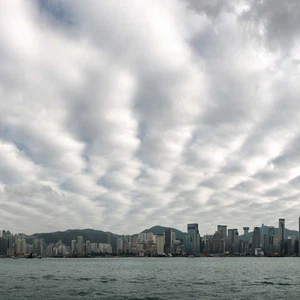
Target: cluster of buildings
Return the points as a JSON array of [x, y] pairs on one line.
[[263, 241], [18, 245]]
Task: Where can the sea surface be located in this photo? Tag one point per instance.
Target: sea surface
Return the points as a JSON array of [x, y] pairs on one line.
[[150, 278]]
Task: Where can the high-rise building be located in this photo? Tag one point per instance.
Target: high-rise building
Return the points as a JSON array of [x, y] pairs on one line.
[[36, 246], [282, 236], [246, 234], [73, 246], [173, 236], [232, 241], [79, 244], [10, 242], [188, 241], [160, 243], [223, 230], [168, 240], [196, 243], [3, 245], [269, 246], [192, 228], [246, 230], [88, 247], [255, 239], [217, 243], [120, 245]]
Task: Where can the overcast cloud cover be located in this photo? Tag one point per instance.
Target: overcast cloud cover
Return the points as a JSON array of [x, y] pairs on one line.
[[121, 115]]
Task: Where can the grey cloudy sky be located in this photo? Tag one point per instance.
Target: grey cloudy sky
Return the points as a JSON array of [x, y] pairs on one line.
[[121, 115]]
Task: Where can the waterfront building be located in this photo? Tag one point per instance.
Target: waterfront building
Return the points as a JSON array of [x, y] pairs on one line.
[[21, 246], [192, 228], [244, 247], [80, 244], [168, 240], [10, 252], [88, 249], [188, 241], [49, 250], [149, 237], [173, 236], [193, 232], [160, 243], [255, 239], [35, 246], [246, 230], [136, 241], [268, 241], [289, 246], [217, 243], [223, 230], [282, 236], [73, 246], [10, 241], [233, 237], [196, 243], [3, 245], [120, 245], [246, 234]]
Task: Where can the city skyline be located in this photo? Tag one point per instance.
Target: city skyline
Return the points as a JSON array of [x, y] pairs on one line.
[[194, 228], [263, 241], [117, 114]]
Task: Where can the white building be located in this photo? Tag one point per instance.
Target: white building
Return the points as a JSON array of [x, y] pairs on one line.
[[160, 243]]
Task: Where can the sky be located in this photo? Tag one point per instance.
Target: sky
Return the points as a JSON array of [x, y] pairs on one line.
[[122, 115]]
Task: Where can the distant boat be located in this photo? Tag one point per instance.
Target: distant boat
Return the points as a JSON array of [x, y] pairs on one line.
[[39, 257], [28, 255]]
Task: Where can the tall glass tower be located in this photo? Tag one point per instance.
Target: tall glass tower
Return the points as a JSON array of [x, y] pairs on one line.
[[192, 228], [282, 235], [223, 230]]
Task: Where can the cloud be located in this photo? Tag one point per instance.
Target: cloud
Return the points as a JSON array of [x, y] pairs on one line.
[[123, 116], [277, 22]]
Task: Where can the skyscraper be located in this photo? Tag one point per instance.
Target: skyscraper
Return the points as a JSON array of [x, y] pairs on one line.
[[255, 239], [160, 243], [269, 247], [282, 236], [223, 230], [195, 240], [79, 244], [192, 228], [188, 241], [168, 240], [233, 236], [246, 233], [120, 245], [73, 246]]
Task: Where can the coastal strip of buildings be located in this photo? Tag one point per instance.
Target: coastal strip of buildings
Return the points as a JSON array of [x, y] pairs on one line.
[[262, 241]]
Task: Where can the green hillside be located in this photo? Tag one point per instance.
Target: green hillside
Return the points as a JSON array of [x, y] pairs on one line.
[[94, 236]]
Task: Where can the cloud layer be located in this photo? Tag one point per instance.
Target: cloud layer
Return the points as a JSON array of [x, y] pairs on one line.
[[120, 116]]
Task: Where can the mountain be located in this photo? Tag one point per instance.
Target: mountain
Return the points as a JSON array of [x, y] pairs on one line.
[[94, 236], [160, 229]]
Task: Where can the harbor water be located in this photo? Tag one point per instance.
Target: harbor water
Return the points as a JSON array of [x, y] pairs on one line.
[[150, 278]]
